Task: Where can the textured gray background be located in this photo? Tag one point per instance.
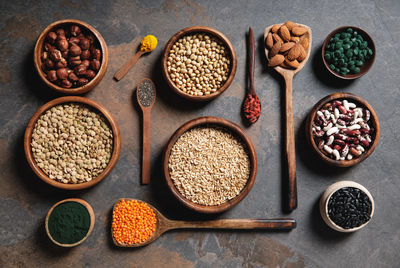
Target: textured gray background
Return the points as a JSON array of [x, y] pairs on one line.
[[25, 200]]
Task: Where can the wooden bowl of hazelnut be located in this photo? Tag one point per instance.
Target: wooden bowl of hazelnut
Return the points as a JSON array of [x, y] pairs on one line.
[[343, 129], [199, 63], [71, 56]]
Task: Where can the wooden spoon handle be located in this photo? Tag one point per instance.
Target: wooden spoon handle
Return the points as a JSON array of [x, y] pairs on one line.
[[251, 61], [127, 66], [236, 224], [290, 146], [146, 147]]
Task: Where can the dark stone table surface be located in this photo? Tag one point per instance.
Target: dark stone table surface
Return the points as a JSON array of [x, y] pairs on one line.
[[25, 200]]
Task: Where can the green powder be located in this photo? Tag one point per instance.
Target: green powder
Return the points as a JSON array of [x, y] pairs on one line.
[[69, 222]]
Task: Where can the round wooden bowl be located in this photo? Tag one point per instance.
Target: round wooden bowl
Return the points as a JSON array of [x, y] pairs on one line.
[[39, 49], [360, 102], [235, 129], [69, 99], [193, 30], [92, 220], [367, 64], [323, 204]]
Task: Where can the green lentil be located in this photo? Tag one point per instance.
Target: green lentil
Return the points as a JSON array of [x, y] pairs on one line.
[[347, 52]]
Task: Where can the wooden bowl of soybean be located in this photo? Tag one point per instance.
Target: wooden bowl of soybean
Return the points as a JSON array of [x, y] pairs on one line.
[[239, 135], [93, 106], [69, 222], [168, 75], [354, 48]]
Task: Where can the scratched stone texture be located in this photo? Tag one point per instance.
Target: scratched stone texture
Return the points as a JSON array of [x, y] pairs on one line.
[[25, 200]]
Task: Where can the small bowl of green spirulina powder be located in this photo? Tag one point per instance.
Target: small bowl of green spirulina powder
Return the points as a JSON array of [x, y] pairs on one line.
[[69, 222]]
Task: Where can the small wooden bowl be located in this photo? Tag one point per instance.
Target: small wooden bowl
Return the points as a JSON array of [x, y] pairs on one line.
[[193, 30], [323, 204], [367, 64], [69, 99], [39, 49], [235, 129], [359, 101], [92, 220]]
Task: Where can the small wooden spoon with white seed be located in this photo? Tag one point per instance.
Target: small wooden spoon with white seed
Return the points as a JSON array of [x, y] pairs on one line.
[[289, 135], [164, 224]]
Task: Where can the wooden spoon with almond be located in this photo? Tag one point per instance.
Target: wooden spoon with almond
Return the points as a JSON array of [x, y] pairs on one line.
[[288, 47]]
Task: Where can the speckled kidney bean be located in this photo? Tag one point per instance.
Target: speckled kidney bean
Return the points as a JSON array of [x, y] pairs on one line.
[[342, 130]]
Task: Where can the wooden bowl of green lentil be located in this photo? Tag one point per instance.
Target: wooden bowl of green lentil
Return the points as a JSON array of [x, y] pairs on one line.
[[168, 75], [350, 59], [76, 213], [95, 107]]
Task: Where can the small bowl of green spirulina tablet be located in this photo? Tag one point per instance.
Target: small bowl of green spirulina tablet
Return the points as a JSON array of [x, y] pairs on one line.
[[69, 222], [348, 52]]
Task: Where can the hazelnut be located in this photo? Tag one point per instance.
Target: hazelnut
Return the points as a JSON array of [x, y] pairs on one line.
[[48, 47], [95, 65], [96, 54], [72, 77], [62, 63], [80, 70], [55, 55], [74, 40], [62, 44], [90, 74], [86, 63], [62, 73], [49, 63], [85, 55], [75, 30], [82, 81], [74, 61], [45, 55], [60, 32], [52, 75], [91, 38], [66, 83], [84, 43], [51, 37], [65, 54], [75, 50]]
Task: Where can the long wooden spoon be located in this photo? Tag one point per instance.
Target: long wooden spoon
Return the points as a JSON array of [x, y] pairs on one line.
[[289, 135], [164, 224], [146, 96]]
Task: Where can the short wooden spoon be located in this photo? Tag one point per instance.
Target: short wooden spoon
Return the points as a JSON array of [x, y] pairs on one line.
[[164, 224], [289, 135]]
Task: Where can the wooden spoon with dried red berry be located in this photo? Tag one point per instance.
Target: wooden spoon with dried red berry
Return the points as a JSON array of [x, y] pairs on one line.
[[252, 104]]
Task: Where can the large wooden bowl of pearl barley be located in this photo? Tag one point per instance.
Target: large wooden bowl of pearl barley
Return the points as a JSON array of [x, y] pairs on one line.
[[72, 143], [199, 63]]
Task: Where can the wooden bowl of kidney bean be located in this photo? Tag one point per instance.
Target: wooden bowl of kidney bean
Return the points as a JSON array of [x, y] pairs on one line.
[[343, 129], [71, 56]]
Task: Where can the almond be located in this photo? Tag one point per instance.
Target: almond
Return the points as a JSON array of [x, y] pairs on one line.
[[275, 28], [275, 49], [269, 42], [299, 30], [304, 41], [294, 52], [284, 65], [290, 25], [276, 60], [294, 64], [295, 39], [302, 54], [277, 38], [284, 33], [286, 46]]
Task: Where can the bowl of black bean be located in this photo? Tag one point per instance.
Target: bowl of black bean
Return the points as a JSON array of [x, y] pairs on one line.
[[346, 206]]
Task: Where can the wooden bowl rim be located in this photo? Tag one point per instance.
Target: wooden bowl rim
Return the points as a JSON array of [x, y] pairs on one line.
[[323, 205], [39, 49], [194, 29], [92, 220], [230, 126], [70, 99], [367, 64], [359, 100]]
